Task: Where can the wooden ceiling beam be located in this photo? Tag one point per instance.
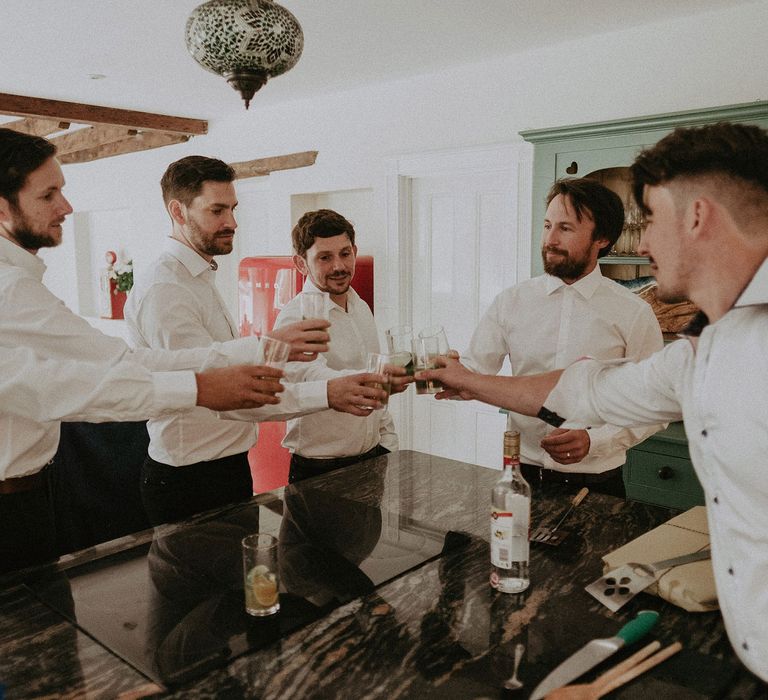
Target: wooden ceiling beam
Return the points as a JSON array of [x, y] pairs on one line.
[[37, 127], [131, 144], [111, 132], [260, 167], [42, 108], [90, 137]]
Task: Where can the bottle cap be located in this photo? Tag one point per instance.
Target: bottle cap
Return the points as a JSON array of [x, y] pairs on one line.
[[512, 443]]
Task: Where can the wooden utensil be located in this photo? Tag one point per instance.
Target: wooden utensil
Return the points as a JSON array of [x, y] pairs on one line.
[[620, 674]]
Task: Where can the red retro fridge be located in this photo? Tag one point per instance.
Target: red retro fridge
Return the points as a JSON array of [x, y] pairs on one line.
[[265, 286]]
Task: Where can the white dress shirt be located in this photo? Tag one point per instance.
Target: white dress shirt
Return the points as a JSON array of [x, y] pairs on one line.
[[544, 324], [50, 390], [331, 434], [718, 383], [32, 317], [175, 304]]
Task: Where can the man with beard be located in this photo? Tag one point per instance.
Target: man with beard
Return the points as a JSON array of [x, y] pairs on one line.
[[197, 461], [32, 210], [549, 321], [325, 253]]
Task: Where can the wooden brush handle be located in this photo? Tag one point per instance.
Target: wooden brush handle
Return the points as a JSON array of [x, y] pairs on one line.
[[641, 668], [625, 665]]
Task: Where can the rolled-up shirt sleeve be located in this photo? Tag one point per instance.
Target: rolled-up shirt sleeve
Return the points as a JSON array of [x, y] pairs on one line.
[[622, 392]]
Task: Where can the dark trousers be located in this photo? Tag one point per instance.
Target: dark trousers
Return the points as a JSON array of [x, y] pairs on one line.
[[610, 482], [27, 527], [175, 493], [306, 467], [95, 483]]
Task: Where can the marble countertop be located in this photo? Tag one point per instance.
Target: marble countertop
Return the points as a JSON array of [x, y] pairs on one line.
[[436, 629]]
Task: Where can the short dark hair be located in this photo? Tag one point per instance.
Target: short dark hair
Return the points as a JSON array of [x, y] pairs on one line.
[[20, 154], [184, 178], [600, 202], [323, 223], [738, 152]]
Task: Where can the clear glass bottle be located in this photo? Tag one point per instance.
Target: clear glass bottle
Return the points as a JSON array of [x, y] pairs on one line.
[[510, 521]]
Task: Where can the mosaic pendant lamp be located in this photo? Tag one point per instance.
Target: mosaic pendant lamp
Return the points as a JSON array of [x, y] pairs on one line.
[[245, 41]]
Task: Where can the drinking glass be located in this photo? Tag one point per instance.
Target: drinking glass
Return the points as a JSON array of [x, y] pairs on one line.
[[312, 306], [437, 332], [272, 352], [425, 353], [260, 574], [377, 362], [400, 345]]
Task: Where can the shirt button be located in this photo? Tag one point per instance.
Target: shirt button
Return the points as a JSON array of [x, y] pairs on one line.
[[716, 500], [730, 570], [703, 433], [745, 646]]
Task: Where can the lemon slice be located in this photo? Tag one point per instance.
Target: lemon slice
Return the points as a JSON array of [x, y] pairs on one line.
[[264, 589], [257, 571]]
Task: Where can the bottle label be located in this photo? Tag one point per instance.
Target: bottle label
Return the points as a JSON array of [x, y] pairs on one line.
[[509, 532]]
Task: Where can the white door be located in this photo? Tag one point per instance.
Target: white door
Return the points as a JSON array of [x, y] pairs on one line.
[[464, 250]]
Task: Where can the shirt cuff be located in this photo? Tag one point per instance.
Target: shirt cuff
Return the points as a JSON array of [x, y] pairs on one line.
[[569, 396], [174, 391], [242, 351], [312, 395]]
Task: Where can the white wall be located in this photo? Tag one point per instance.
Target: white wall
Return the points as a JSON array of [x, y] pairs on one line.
[[712, 59]]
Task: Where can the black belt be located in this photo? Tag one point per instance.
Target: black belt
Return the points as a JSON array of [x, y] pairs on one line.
[[338, 461], [536, 473]]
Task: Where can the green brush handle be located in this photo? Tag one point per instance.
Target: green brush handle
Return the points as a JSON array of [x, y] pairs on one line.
[[639, 627]]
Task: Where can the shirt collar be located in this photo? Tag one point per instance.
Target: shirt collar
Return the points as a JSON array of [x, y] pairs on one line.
[[19, 257], [756, 291], [192, 260], [586, 286]]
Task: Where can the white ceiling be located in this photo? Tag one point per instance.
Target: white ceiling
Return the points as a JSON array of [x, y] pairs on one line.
[[50, 47]]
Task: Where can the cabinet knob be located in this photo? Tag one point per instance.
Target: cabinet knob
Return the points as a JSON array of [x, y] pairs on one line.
[[666, 473]]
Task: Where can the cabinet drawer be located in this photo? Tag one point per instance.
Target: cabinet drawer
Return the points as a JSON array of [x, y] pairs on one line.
[[662, 479]]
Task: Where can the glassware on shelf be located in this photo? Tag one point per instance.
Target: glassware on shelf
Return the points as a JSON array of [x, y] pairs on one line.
[[629, 239], [638, 224]]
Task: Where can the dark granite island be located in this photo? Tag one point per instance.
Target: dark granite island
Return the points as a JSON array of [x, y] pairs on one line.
[[385, 567]]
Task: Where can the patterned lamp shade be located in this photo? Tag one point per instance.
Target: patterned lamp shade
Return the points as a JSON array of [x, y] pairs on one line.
[[245, 41]]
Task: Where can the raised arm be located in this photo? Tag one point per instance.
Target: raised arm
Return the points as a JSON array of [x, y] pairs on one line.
[[524, 395]]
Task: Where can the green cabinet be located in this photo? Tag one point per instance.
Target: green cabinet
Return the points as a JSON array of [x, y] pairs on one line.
[[659, 471], [585, 148]]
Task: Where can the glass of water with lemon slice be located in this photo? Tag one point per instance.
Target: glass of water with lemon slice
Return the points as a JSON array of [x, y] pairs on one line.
[[260, 575]]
